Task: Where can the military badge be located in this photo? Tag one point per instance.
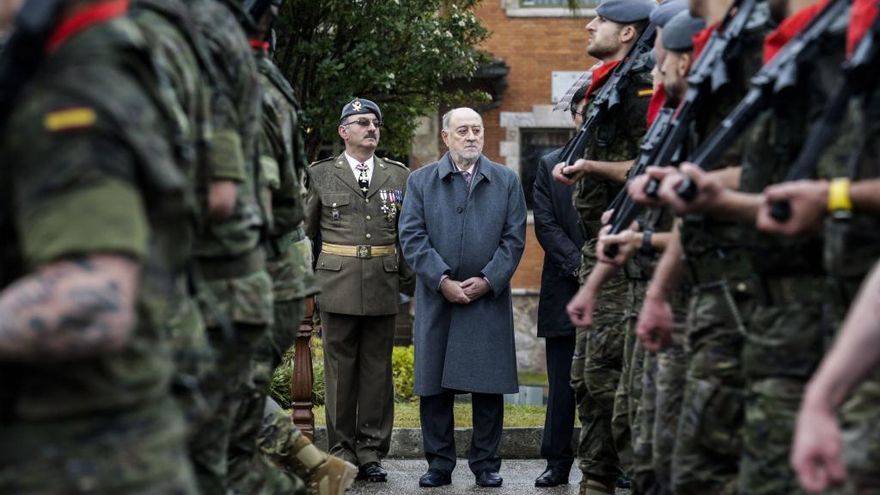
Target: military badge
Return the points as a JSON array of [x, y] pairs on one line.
[[391, 202], [334, 213], [357, 105]]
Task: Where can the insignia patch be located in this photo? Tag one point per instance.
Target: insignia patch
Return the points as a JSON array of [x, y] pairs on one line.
[[69, 118], [356, 105], [646, 92]]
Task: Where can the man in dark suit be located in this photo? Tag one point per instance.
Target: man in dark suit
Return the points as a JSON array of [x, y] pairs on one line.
[[557, 229]]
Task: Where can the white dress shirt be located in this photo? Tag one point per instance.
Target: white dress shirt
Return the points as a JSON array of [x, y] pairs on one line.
[[353, 163]]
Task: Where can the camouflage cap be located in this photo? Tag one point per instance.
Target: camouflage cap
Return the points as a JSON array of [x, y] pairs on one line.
[[678, 35], [626, 11], [666, 11], [358, 106]]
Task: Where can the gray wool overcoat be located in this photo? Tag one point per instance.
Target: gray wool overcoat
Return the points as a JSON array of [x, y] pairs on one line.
[[446, 228]]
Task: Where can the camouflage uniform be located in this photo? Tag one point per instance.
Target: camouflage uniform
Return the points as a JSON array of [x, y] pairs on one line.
[[283, 164], [237, 302], [851, 249], [178, 52], [669, 384], [617, 139], [88, 163], [788, 331], [707, 451]]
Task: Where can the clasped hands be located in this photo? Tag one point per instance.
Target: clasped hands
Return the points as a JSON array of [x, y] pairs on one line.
[[464, 292]]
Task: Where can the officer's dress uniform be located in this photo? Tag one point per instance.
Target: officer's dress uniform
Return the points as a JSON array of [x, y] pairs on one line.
[[357, 270]]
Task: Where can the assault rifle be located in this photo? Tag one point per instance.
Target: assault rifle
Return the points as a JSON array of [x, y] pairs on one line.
[[780, 74], [607, 97], [859, 74], [19, 61], [707, 76]]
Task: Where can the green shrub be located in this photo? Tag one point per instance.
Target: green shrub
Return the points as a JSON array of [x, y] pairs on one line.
[[403, 371]]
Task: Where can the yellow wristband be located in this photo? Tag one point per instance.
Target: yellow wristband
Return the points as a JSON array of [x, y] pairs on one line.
[[838, 195]]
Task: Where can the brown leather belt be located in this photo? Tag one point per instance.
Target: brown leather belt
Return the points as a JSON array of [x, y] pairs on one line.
[[363, 251]]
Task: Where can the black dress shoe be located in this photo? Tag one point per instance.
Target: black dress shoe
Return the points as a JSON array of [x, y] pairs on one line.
[[489, 479], [372, 471], [434, 478], [552, 477]]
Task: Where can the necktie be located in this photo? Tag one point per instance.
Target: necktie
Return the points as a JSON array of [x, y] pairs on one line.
[[467, 177], [363, 179]]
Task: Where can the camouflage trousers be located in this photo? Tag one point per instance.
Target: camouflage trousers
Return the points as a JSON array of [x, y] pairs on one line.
[[706, 454], [249, 473], [785, 343], [140, 451], [602, 366], [238, 314], [858, 416], [193, 358], [669, 385], [627, 396]]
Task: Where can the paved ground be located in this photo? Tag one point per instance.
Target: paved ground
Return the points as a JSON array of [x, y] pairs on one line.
[[519, 478]]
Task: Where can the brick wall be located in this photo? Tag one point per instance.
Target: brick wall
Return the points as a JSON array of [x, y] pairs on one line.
[[533, 47]]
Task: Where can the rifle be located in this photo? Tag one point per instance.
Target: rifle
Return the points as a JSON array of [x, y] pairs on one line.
[[19, 61], [707, 76], [858, 76], [779, 74], [607, 97]]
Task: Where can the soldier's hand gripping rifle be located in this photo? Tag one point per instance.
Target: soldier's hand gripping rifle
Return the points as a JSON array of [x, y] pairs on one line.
[[780, 74], [707, 76], [608, 97], [859, 74]]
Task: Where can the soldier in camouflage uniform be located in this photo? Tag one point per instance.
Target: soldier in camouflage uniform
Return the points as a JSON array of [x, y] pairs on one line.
[[608, 157], [850, 250], [85, 377], [707, 448], [179, 53], [786, 334], [230, 257], [283, 163]]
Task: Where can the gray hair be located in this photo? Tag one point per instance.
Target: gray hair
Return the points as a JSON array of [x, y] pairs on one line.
[[447, 117]]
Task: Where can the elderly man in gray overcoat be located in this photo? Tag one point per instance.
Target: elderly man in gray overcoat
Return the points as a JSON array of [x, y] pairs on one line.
[[462, 229]]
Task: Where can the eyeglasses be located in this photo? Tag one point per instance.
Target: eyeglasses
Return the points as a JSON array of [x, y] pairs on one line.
[[463, 131], [365, 122]]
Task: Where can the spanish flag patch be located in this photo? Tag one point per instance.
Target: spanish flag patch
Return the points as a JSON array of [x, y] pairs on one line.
[[645, 92], [69, 118]]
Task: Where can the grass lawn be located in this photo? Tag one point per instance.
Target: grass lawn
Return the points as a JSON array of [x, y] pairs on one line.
[[406, 415]]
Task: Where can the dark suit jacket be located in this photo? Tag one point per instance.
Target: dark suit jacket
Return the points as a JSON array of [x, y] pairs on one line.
[[558, 231]]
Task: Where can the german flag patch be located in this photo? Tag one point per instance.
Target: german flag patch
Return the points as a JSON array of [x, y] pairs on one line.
[[645, 92], [69, 119]]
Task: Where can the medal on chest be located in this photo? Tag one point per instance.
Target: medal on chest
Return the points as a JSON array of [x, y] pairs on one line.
[[391, 199]]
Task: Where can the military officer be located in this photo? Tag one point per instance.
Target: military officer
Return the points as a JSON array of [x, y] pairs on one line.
[[93, 213], [353, 205]]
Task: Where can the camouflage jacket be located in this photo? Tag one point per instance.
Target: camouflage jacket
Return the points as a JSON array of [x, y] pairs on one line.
[[704, 236], [283, 162], [774, 144], [91, 171], [235, 109]]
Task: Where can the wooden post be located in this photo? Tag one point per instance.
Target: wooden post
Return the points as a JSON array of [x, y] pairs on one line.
[[301, 380]]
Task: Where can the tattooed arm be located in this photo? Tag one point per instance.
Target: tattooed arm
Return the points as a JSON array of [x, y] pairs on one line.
[[69, 309]]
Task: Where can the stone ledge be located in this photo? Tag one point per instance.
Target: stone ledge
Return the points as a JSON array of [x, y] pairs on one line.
[[406, 443]]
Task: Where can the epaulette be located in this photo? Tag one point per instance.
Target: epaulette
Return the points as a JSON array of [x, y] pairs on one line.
[[393, 162], [330, 159]]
